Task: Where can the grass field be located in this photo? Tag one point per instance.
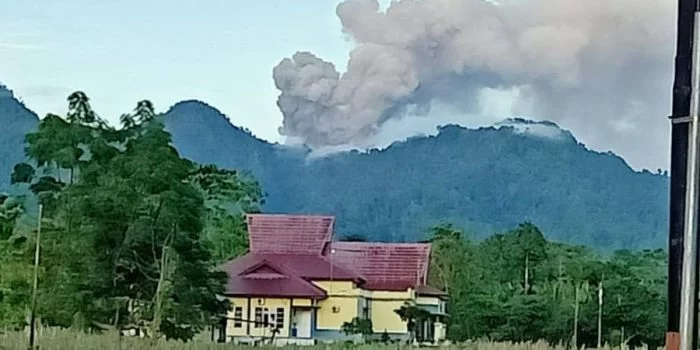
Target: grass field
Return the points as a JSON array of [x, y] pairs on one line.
[[66, 340]]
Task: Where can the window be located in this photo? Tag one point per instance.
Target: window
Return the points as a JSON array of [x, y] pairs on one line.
[[266, 317], [280, 318], [258, 317], [237, 316], [366, 309]]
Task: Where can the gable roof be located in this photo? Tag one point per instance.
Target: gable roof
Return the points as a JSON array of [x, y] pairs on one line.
[[289, 234], [385, 266], [253, 275], [313, 267]]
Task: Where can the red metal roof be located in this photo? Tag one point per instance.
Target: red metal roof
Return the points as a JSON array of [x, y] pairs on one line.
[[313, 267], [385, 266], [289, 234], [253, 275], [287, 251]]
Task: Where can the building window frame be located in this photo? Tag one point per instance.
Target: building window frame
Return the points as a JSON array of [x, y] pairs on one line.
[[237, 317], [279, 319], [258, 317]]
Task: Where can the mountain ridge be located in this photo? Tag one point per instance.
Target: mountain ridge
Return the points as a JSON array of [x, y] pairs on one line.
[[484, 180], [308, 184]]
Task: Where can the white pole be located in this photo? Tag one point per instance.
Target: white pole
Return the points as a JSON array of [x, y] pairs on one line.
[[332, 253], [32, 316], [688, 286], [600, 314]]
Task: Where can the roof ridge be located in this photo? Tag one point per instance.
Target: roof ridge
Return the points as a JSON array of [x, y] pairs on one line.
[[300, 216], [264, 262]]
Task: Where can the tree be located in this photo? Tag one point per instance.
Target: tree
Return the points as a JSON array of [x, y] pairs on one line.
[[530, 250], [10, 210], [228, 196], [14, 278], [126, 230], [413, 316], [358, 325]]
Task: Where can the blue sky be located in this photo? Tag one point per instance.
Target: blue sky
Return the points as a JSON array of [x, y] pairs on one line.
[[118, 52]]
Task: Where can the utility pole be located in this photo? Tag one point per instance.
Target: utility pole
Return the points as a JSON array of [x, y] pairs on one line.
[[600, 313], [689, 270], [679, 161], [32, 316]]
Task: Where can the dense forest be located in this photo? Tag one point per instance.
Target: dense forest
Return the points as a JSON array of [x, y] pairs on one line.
[[483, 180], [517, 286], [131, 233]]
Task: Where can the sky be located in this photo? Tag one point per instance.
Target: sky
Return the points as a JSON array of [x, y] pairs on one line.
[[218, 51], [119, 52]]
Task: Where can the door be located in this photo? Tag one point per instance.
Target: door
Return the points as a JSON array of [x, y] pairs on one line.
[[301, 321]]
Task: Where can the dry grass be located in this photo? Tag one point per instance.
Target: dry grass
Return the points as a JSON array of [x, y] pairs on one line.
[[55, 339]]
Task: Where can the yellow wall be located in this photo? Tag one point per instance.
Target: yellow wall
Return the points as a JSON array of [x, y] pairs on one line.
[[339, 287], [344, 296], [384, 318], [230, 329], [302, 302], [404, 295], [270, 303], [346, 310]]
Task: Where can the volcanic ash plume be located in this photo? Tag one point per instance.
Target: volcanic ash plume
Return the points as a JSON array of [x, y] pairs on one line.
[[602, 67]]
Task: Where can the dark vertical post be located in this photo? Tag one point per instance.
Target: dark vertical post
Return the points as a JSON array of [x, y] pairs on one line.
[[679, 155]]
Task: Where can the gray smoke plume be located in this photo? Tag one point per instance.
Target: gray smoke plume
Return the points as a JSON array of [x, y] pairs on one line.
[[601, 68]]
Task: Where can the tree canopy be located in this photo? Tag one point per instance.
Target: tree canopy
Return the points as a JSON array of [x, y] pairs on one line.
[[132, 232], [516, 286]]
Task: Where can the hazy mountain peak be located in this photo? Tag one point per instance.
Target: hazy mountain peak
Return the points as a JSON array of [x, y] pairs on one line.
[[200, 117], [5, 92], [484, 180], [543, 129]]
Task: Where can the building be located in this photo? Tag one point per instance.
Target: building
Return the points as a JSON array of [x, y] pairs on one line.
[[297, 286]]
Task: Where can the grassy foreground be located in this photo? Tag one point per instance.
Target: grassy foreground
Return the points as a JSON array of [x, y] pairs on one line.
[[66, 340]]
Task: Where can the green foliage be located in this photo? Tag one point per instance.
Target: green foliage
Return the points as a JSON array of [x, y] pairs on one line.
[[488, 298], [228, 196], [489, 180], [16, 121], [413, 316], [14, 281], [486, 180], [127, 229], [358, 326], [132, 231]]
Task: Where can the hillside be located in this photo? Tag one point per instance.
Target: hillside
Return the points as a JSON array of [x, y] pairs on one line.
[[483, 180], [15, 121]]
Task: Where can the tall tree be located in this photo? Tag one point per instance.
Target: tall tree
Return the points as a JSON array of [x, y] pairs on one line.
[[125, 233]]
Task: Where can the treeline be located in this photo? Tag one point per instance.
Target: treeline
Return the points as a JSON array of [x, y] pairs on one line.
[[130, 232], [517, 286]]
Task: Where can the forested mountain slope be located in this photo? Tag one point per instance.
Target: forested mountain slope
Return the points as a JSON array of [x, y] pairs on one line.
[[15, 121], [483, 180]]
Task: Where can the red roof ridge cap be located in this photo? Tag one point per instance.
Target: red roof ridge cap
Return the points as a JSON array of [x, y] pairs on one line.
[[265, 262], [299, 216]]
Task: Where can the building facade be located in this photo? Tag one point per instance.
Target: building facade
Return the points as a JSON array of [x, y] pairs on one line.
[[297, 286]]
